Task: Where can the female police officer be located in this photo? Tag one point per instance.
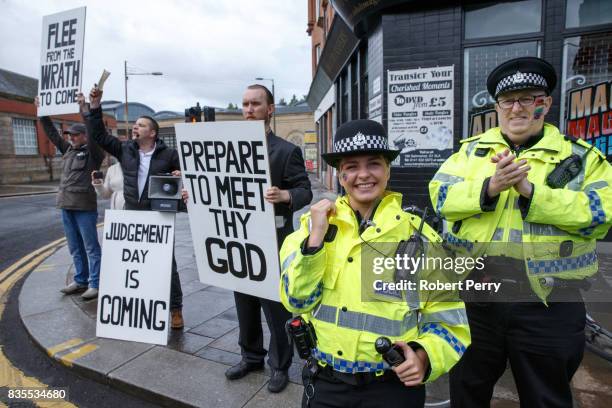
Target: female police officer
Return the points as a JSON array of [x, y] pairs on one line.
[[324, 275]]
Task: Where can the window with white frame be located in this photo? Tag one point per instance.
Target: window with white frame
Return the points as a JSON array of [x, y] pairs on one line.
[[24, 137]]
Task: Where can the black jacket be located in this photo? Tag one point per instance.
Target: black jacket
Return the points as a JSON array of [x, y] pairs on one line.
[[165, 160], [288, 173], [75, 189]]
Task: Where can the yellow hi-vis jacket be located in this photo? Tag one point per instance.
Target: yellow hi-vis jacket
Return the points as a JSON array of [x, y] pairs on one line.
[[555, 231], [326, 288]]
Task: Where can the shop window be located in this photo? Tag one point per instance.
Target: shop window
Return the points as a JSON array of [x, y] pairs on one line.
[[479, 114], [344, 96], [586, 89], [492, 20], [24, 137], [364, 84], [583, 13], [354, 90]]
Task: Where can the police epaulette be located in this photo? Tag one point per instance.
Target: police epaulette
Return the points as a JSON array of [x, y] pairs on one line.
[[584, 144], [417, 223], [469, 139], [571, 138]]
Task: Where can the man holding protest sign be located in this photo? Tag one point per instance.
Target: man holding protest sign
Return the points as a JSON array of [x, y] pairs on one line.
[[78, 202], [144, 155], [290, 191]]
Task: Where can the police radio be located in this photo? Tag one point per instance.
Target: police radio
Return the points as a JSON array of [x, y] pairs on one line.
[[303, 336], [393, 355], [565, 171], [411, 248]]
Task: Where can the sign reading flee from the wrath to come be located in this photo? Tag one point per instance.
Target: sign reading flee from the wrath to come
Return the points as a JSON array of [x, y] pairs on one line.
[[225, 170], [61, 62], [420, 115], [134, 294]]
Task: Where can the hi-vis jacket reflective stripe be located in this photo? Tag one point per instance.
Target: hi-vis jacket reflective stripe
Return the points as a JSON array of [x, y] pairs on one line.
[[554, 232], [326, 287]]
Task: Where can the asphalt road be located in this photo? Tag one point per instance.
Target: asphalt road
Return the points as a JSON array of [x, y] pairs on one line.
[[28, 223]]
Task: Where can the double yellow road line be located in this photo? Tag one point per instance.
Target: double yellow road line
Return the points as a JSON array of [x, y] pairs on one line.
[[10, 376]]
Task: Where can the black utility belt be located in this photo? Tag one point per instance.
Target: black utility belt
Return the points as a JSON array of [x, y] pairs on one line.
[[327, 373]]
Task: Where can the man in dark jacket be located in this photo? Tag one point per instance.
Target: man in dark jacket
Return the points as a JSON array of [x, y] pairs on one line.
[[77, 200], [290, 192], [144, 156]]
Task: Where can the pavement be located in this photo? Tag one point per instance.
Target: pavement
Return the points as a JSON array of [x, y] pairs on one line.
[[41, 187], [189, 371]]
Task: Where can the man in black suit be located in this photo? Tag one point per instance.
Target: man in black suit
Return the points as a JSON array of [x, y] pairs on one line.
[[290, 191]]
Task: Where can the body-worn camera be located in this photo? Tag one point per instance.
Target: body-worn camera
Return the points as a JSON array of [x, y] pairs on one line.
[[303, 336]]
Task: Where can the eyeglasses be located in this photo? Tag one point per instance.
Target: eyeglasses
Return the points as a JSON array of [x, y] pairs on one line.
[[523, 101]]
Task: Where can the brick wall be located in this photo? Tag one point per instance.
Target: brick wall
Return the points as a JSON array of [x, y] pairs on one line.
[[421, 38], [31, 168], [317, 32]]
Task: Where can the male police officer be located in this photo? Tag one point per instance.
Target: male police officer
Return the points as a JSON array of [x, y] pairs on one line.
[[524, 183]]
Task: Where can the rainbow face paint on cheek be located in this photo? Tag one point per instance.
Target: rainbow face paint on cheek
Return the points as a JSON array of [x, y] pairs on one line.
[[344, 176], [539, 109]]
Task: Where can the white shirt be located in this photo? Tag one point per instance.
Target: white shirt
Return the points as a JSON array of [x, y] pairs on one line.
[[112, 187], [143, 170]]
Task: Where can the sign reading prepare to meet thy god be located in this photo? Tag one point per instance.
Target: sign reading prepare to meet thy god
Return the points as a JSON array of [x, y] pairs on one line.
[[225, 170], [61, 62], [133, 300]]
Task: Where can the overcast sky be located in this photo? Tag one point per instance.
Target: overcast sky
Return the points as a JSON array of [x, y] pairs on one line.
[[208, 50]]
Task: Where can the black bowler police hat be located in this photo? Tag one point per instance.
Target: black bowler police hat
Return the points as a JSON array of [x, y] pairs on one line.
[[358, 137], [522, 73]]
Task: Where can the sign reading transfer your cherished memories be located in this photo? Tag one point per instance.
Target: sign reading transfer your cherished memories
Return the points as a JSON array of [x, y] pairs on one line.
[[133, 302], [226, 172], [61, 62], [420, 115]]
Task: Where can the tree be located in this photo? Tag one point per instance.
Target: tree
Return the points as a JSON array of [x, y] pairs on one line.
[[293, 101], [232, 106], [282, 102]]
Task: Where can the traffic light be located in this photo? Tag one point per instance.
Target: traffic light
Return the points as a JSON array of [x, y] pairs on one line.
[[193, 114], [209, 114]]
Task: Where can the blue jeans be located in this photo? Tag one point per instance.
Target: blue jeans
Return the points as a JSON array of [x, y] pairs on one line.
[[82, 237]]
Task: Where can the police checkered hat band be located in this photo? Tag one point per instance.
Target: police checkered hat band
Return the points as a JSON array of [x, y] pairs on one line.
[[361, 136], [522, 73], [521, 80], [361, 142]]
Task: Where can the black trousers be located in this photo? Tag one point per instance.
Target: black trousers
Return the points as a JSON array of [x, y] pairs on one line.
[[251, 333], [387, 394], [544, 346]]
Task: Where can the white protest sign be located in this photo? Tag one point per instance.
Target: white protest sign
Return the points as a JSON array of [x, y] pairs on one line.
[[61, 62], [134, 294], [225, 169]]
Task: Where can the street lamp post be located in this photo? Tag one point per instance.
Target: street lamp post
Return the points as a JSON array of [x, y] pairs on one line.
[[126, 76], [273, 97]]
